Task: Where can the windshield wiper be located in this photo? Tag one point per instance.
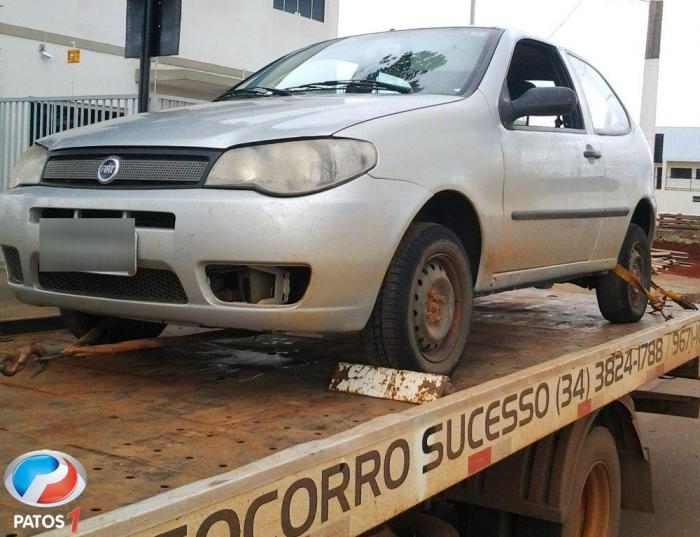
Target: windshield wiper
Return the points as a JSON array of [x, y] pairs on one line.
[[257, 91], [363, 83]]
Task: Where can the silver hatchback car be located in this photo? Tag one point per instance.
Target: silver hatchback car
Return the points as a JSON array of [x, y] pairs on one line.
[[374, 183]]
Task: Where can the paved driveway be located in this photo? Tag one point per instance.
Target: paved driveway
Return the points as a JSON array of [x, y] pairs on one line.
[[675, 457]]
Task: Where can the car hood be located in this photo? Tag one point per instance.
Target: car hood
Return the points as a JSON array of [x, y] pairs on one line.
[[224, 124]]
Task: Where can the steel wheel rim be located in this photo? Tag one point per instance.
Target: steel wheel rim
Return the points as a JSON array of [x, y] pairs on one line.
[[637, 268], [593, 509], [436, 308]]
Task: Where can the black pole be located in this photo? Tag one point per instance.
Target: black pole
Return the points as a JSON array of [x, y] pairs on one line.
[[145, 71]]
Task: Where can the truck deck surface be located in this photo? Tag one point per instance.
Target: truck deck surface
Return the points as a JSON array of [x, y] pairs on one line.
[[143, 423]]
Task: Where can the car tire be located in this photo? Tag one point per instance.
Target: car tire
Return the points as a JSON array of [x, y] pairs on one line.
[[618, 302], [79, 324], [423, 312]]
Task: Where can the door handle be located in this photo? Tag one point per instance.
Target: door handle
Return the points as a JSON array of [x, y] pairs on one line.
[[592, 153]]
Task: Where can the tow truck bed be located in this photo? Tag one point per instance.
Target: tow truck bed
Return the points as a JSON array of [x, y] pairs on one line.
[[243, 434]]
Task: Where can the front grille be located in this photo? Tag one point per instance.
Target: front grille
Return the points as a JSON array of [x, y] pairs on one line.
[[13, 264], [147, 285], [142, 219], [134, 170]]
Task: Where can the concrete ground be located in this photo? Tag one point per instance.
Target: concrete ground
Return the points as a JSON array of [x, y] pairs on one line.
[[675, 455]]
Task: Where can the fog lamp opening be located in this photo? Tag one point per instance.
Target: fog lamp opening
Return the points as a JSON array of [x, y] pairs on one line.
[[258, 284]]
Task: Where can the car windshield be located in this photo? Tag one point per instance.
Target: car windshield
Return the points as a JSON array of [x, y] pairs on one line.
[[437, 61]]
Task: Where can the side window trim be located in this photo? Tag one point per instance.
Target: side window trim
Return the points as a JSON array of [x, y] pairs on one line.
[[566, 73], [604, 132]]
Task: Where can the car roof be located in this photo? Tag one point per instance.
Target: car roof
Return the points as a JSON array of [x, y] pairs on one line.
[[512, 32]]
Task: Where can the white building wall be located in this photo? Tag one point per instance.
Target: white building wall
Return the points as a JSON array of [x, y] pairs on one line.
[[25, 73], [677, 202], [236, 34], [248, 33], [672, 200]]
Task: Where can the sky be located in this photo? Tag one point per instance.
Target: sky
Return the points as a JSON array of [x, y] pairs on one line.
[[611, 34]]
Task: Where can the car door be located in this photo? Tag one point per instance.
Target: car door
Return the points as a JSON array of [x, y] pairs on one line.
[[553, 191], [625, 154]]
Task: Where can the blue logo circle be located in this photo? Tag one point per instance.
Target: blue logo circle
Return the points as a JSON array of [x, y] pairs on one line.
[[108, 170], [45, 478]]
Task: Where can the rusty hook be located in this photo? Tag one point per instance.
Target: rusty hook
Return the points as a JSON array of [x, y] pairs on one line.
[[11, 365], [85, 346]]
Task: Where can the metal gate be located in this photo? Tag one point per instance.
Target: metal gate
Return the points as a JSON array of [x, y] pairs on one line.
[[24, 120]]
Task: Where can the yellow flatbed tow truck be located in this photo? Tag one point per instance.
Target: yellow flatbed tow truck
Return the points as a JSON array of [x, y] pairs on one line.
[[243, 437]]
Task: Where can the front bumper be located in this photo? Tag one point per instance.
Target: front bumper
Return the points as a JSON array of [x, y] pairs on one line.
[[347, 235]]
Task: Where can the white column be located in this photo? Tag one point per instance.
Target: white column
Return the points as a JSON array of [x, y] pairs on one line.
[[647, 118]]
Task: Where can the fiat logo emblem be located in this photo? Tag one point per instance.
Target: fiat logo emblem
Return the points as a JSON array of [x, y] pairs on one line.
[[108, 170]]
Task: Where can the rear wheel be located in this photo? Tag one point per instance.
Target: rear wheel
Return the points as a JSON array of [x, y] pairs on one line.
[[422, 315], [415, 524], [594, 500], [618, 302], [594, 505], [116, 330]]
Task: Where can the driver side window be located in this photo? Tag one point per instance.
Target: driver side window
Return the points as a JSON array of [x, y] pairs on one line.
[[536, 64]]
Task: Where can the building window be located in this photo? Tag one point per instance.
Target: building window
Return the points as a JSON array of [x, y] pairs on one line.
[[681, 173], [311, 9], [679, 178], [319, 10], [659, 177]]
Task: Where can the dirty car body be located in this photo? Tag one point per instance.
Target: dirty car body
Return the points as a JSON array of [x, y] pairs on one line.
[[282, 205]]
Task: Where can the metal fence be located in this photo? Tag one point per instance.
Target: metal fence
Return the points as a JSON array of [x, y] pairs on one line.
[[24, 120]]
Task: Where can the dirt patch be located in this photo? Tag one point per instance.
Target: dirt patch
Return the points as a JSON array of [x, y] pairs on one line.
[[693, 251]]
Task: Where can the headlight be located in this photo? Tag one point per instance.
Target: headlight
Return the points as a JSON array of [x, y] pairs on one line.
[[293, 168], [30, 166]]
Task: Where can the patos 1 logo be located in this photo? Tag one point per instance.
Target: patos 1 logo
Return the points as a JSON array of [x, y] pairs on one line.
[[45, 478]]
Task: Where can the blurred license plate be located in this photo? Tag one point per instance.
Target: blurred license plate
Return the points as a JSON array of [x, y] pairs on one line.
[[99, 245]]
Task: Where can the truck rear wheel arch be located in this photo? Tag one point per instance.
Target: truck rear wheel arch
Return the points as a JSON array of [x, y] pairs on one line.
[[454, 211], [536, 482], [619, 418]]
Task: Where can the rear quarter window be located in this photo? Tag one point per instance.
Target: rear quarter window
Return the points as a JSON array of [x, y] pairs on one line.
[[607, 113]]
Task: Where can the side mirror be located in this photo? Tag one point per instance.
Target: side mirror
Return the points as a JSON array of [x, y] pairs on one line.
[[554, 101]]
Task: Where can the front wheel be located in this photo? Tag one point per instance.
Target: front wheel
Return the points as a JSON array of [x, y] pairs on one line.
[[423, 312], [618, 302]]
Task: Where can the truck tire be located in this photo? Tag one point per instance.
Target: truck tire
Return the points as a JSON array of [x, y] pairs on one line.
[[594, 500], [594, 504], [423, 312], [618, 302], [79, 324], [416, 524]]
